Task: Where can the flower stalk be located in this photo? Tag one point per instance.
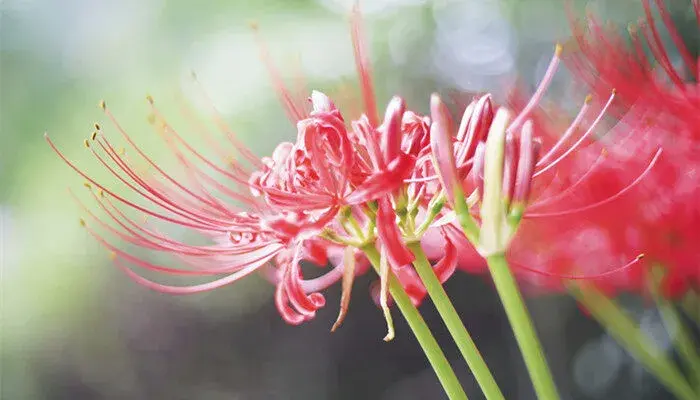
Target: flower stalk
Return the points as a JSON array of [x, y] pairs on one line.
[[619, 325], [425, 338], [454, 324], [682, 339], [522, 326]]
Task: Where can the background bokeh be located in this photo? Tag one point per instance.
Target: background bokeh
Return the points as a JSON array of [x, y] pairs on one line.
[[74, 327]]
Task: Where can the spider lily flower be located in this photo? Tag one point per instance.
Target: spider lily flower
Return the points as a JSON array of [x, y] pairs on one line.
[[660, 103], [649, 84], [524, 169], [317, 200]]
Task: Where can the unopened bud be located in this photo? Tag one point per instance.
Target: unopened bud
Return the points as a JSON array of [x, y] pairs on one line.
[[495, 231]]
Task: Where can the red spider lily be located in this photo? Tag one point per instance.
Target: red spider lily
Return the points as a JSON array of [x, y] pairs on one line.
[[311, 201], [561, 185], [661, 104]]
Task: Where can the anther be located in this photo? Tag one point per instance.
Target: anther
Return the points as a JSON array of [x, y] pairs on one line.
[[149, 98], [82, 222], [589, 99], [103, 105], [97, 126], [87, 185], [93, 136], [86, 143]]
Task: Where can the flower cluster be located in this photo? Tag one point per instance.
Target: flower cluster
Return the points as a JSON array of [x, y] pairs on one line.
[[504, 181], [338, 187], [659, 105]]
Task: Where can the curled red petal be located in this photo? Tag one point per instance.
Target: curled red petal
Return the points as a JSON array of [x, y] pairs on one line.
[[391, 237], [448, 263], [383, 182], [392, 134]]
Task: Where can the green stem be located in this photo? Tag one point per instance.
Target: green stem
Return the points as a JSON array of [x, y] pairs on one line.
[[522, 326], [619, 325], [425, 338], [454, 324], [677, 330], [691, 306]]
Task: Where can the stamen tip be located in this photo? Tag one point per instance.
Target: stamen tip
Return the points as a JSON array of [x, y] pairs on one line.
[[112, 255], [149, 99], [103, 105], [558, 49], [93, 136], [641, 256], [87, 185], [589, 99], [86, 143], [254, 25], [335, 326], [82, 222]]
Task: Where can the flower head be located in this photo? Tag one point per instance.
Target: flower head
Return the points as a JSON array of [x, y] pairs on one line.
[[659, 104], [340, 185], [533, 181]]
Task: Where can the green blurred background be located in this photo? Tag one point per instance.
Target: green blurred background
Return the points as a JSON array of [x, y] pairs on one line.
[[73, 326]]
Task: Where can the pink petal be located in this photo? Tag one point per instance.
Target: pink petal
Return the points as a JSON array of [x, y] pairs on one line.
[[390, 235], [383, 182], [441, 147]]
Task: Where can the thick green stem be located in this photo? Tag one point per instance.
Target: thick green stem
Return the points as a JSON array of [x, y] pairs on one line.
[[682, 339], [619, 325], [454, 324], [425, 338], [522, 326]]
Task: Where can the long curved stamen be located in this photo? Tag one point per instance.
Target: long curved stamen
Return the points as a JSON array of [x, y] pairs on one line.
[[251, 259], [150, 161], [602, 202], [362, 65], [159, 200], [689, 61], [169, 129], [569, 131], [588, 132], [125, 201], [295, 112], [539, 93], [161, 242], [569, 190], [118, 160], [197, 175], [223, 127], [657, 47], [181, 290], [198, 126], [637, 44], [135, 238], [614, 271]]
